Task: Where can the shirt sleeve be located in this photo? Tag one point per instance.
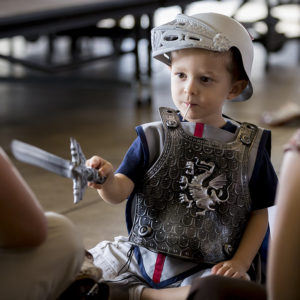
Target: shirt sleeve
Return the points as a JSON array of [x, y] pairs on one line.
[[133, 162], [263, 182]]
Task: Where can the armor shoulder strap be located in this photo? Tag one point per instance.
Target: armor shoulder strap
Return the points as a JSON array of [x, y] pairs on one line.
[[247, 133], [250, 134], [169, 117]]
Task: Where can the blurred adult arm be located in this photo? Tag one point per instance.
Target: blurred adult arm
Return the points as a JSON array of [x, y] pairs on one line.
[[22, 219], [284, 255]]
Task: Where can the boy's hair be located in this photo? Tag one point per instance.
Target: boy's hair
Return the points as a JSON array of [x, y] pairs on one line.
[[236, 67], [210, 31]]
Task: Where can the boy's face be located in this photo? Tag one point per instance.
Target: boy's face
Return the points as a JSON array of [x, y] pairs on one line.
[[201, 79]]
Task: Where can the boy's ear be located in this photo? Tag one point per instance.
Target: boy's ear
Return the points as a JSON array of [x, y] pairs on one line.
[[237, 88]]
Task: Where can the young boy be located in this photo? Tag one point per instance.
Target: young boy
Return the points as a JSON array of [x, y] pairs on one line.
[[198, 186]]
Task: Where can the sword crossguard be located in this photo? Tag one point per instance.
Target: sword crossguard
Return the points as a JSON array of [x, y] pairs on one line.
[[81, 174]]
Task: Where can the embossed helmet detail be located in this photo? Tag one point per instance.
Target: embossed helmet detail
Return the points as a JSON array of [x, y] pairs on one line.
[[211, 31]]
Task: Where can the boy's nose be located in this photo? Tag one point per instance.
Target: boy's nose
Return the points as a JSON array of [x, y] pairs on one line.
[[190, 87]]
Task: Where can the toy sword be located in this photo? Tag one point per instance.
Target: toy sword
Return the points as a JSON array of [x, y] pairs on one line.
[[74, 169]]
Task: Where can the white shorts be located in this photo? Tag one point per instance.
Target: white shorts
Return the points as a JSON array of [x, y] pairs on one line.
[[124, 276]]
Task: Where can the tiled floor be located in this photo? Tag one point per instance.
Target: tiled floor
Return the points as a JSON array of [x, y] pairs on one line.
[[102, 117]]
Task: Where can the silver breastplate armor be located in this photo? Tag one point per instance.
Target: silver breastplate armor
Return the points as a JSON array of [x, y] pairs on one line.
[[194, 201]]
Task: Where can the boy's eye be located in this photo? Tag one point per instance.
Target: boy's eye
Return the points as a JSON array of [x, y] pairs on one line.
[[205, 79], [180, 75]]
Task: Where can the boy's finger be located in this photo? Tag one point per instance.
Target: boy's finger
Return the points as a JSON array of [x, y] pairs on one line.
[[237, 275], [230, 273], [222, 270], [216, 267], [94, 162], [105, 169], [95, 185]]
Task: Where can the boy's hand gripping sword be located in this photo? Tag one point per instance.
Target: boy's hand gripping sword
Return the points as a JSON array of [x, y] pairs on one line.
[[75, 169]]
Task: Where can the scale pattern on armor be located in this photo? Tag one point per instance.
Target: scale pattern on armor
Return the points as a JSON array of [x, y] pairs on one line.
[[194, 201]]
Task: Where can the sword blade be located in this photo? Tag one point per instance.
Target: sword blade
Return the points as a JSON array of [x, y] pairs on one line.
[[40, 158]]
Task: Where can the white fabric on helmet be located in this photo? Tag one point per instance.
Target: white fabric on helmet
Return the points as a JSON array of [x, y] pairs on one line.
[[211, 31]]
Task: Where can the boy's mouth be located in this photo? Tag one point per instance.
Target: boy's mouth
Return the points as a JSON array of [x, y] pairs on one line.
[[187, 110], [189, 104]]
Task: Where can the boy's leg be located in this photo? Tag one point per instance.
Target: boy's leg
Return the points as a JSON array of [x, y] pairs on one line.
[[42, 272], [120, 269], [176, 293]]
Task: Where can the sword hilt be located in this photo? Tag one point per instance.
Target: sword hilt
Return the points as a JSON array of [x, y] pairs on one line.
[[81, 173]]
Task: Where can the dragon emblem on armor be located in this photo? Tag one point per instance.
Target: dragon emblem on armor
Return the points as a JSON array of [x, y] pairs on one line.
[[204, 190]]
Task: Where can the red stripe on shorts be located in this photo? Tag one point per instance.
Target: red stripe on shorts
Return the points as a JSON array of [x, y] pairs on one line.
[[159, 265]]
